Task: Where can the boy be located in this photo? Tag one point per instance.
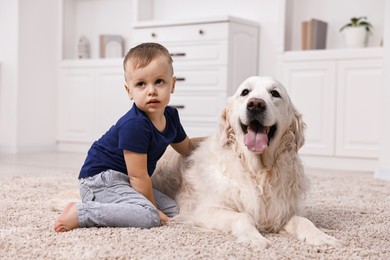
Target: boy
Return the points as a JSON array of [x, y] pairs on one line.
[[115, 180]]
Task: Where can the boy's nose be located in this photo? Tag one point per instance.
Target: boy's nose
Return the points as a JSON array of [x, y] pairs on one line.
[[152, 89]]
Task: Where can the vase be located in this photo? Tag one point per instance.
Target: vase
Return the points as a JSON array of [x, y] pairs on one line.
[[83, 48], [355, 37]]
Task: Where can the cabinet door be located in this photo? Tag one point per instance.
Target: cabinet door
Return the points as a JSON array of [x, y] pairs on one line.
[[112, 100], [358, 91], [311, 86], [75, 105]]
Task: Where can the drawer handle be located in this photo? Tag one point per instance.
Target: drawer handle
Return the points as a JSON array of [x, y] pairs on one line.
[[154, 35], [178, 106], [178, 54], [180, 79], [201, 32]]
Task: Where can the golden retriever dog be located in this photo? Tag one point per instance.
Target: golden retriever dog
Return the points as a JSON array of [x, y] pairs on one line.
[[247, 178]]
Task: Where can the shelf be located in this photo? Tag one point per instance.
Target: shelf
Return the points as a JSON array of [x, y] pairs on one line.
[[83, 63], [91, 18], [297, 11]]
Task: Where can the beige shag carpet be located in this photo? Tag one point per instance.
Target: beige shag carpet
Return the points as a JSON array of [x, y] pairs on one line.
[[352, 207]]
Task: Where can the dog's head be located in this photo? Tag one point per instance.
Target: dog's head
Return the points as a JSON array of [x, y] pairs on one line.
[[262, 115]]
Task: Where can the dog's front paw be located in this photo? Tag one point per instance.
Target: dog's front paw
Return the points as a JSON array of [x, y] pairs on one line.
[[254, 240], [305, 230], [261, 243], [243, 229], [320, 238]]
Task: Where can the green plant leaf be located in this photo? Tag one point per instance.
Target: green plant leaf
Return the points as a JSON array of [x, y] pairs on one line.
[[358, 21]]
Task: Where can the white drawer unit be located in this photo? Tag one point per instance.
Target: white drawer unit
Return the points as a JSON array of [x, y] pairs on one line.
[[211, 59], [196, 30], [205, 79], [188, 105], [211, 53], [330, 90]]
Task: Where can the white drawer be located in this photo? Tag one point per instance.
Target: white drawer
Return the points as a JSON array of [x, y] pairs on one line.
[[200, 129], [196, 32], [198, 106], [205, 79], [207, 53]]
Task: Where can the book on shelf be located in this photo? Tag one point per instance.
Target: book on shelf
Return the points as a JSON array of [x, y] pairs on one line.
[[304, 35], [313, 34]]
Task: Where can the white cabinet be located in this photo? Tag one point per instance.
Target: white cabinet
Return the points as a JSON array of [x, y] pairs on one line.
[[359, 90], [337, 92], [91, 99], [211, 59], [111, 98], [75, 105], [336, 89], [312, 87]]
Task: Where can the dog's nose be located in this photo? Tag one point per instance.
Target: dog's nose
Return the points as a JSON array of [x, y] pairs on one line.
[[256, 105]]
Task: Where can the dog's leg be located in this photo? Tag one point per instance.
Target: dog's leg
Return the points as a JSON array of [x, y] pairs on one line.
[[238, 224], [305, 230]]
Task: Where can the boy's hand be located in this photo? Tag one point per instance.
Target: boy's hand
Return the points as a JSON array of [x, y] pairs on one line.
[[163, 218], [187, 145]]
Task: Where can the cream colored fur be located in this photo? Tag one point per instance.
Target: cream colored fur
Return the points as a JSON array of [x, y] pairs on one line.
[[224, 186]]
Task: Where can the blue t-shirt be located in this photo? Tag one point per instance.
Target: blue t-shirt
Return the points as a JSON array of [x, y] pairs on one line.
[[133, 132]]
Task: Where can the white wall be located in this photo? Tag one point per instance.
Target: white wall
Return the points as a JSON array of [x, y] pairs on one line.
[[264, 12], [383, 171], [38, 43], [9, 73], [28, 30]]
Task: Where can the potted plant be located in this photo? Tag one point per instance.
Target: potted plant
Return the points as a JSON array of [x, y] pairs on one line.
[[356, 32]]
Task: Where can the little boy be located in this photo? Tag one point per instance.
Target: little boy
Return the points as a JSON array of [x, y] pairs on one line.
[[115, 180]]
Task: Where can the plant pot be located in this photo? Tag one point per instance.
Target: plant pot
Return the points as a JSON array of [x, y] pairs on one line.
[[355, 37]]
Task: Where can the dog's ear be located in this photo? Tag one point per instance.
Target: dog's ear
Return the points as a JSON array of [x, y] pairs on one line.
[[227, 135], [293, 138], [298, 127]]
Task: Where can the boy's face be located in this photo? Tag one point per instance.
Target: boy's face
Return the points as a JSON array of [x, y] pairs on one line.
[[150, 87]]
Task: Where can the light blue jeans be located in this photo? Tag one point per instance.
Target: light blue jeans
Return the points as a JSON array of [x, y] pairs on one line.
[[108, 200]]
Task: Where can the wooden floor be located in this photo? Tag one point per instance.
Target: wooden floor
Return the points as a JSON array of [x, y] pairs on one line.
[[38, 164], [42, 164]]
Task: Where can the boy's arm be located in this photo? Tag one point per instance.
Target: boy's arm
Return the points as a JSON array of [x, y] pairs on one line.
[[186, 146], [139, 178]]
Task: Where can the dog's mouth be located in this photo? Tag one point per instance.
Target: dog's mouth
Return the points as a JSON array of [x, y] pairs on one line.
[[257, 137]]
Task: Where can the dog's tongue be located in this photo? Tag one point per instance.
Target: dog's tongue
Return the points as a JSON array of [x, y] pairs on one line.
[[256, 140]]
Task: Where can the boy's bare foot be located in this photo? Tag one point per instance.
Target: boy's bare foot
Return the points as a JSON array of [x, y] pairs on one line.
[[68, 219]]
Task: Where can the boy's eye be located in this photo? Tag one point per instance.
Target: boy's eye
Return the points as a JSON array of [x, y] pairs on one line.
[[159, 81], [140, 84]]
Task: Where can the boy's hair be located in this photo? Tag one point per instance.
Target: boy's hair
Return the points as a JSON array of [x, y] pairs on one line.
[[142, 54]]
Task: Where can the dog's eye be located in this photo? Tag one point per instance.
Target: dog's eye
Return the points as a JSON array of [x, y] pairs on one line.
[[245, 92], [275, 93]]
